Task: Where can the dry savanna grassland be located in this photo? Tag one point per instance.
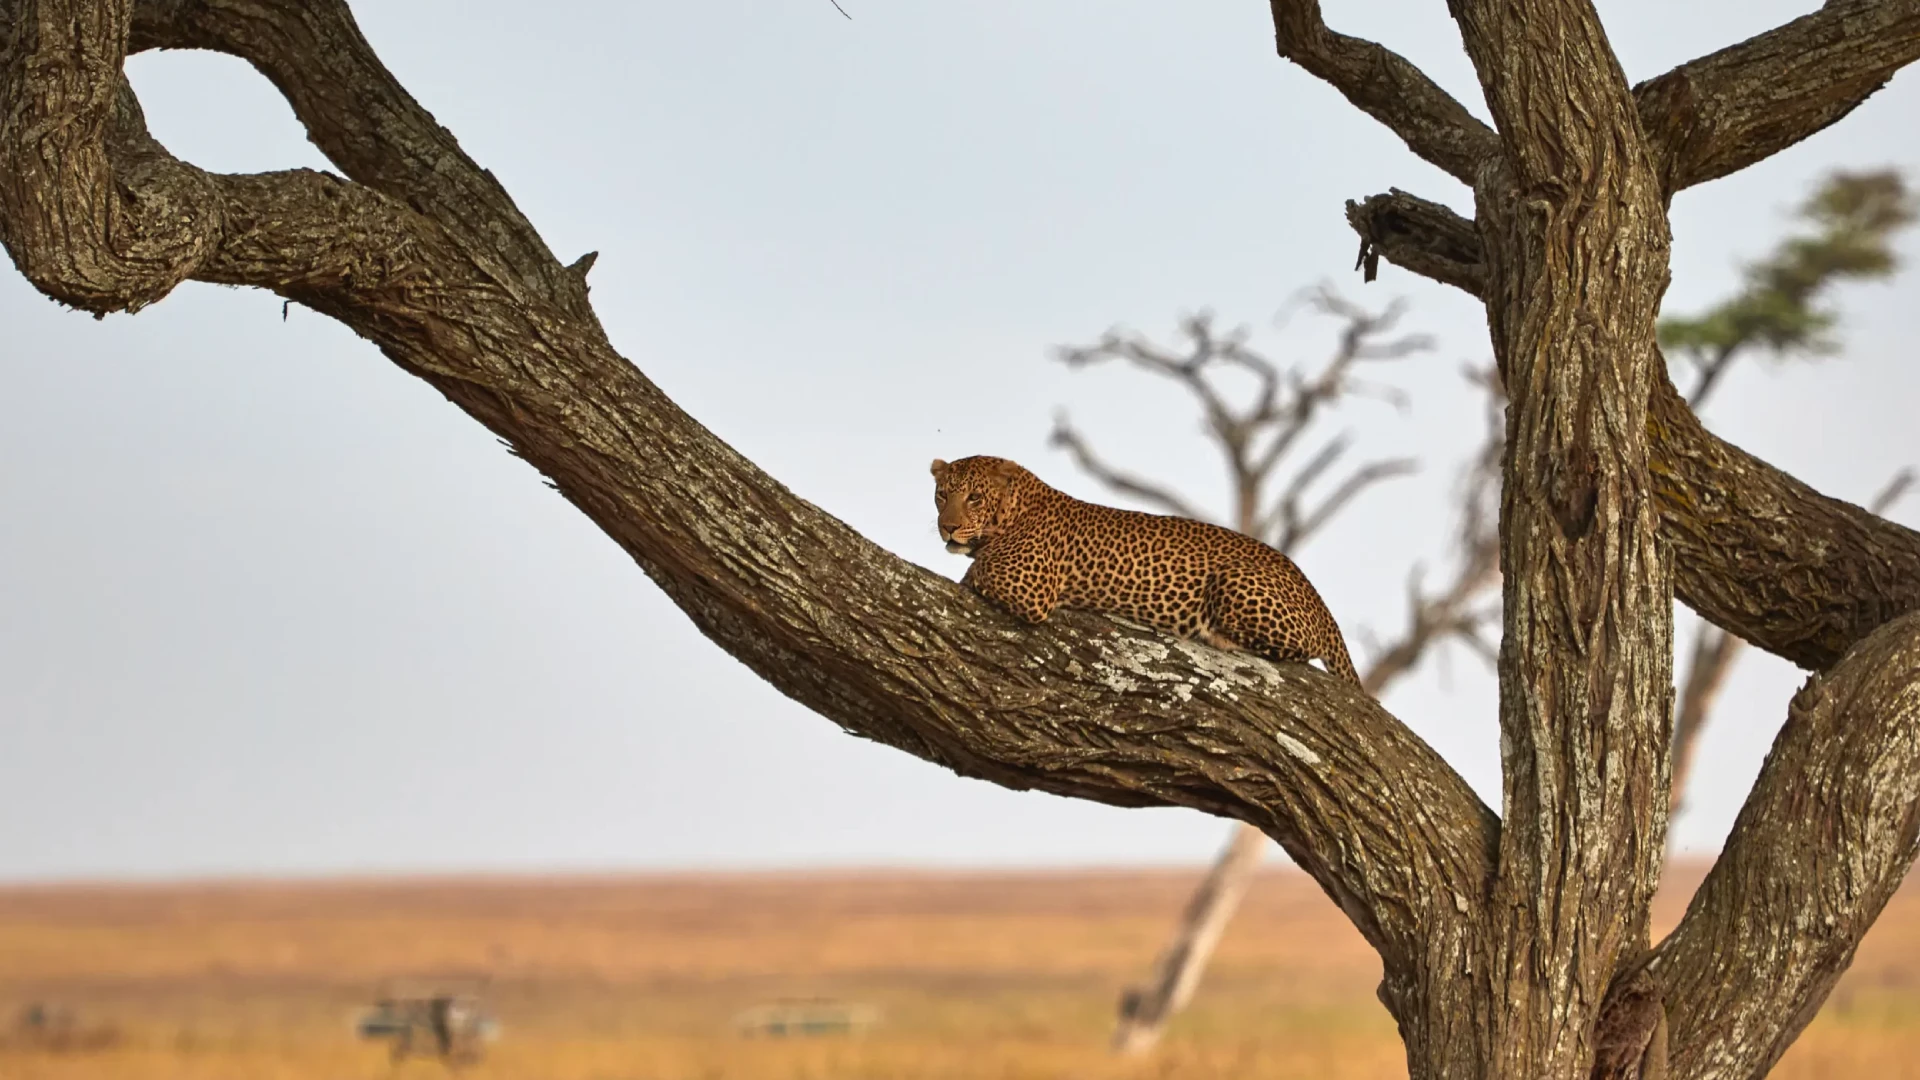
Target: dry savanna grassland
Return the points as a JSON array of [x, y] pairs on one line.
[[974, 975]]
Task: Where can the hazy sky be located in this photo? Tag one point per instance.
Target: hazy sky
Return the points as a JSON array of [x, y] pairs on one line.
[[269, 605]]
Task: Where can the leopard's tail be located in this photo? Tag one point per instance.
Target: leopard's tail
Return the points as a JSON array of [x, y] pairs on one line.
[[1340, 663]]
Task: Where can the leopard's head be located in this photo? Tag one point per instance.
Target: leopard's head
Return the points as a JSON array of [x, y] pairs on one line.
[[977, 497]]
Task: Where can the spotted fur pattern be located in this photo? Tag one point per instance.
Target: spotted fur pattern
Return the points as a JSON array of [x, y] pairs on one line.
[[1035, 549]]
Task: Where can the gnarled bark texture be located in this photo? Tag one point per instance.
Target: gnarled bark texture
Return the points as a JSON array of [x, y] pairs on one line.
[[1515, 951]]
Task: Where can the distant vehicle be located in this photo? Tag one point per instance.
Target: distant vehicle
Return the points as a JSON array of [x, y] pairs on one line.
[[807, 1016], [451, 1027]]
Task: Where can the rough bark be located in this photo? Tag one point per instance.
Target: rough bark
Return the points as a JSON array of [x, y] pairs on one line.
[[1573, 223], [440, 283], [1718, 114], [1382, 84], [419, 251], [1713, 656], [1822, 843]]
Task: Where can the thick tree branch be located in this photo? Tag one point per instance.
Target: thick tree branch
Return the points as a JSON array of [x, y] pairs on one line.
[[1825, 838], [103, 218], [1714, 652], [1382, 84], [1718, 114], [1077, 706], [1761, 554], [365, 122]]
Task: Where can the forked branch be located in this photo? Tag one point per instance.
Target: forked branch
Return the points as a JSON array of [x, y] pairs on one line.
[[1385, 86]]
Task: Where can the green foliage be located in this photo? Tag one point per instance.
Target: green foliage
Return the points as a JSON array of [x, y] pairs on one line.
[[1854, 218]]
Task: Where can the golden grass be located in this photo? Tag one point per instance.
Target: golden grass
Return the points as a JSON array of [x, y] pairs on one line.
[[977, 975]]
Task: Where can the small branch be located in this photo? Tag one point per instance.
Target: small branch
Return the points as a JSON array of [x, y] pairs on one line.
[[1066, 438], [1451, 615], [1896, 489], [1285, 405], [1710, 370], [1299, 531], [1425, 237], [1725, 111], [1382, 84], [1359, 341], [1714, 651]]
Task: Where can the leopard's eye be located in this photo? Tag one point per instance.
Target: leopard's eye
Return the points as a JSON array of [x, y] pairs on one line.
[[975, 499]]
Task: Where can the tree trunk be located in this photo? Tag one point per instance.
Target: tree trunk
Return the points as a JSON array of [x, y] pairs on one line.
[[1508, 951]]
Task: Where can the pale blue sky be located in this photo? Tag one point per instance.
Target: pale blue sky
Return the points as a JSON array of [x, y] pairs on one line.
[[268, 605]]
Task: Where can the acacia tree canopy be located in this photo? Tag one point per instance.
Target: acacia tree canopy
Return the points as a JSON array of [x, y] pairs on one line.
[[1508, 950]]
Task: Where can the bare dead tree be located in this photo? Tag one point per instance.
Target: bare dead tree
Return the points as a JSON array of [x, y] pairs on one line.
[[1257, 436], [1511, 945]]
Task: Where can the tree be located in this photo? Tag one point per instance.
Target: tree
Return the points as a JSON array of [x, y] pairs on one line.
[[1855, 217], [1512, 944]]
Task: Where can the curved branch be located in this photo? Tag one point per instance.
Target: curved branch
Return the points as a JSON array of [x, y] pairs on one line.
[[1824, 839], [1759, 553], [1294, 530], [1067, 438], [94, 212], [364, 121], [98, 215], [1077, 707], [1718, 114], [1385, 86]]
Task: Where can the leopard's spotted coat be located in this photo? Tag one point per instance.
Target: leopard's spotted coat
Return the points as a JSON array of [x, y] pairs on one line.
[[1035, 549]]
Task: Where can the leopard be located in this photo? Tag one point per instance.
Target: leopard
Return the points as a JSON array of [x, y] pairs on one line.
[[1036, 549]]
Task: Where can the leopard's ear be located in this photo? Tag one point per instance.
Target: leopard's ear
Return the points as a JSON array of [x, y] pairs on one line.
[[939, 468], [1006, 470]]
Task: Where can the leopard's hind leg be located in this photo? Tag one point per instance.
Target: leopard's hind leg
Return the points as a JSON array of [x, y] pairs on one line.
[[1243, 607]]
